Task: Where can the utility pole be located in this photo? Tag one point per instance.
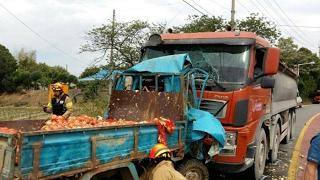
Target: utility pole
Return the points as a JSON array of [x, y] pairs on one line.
[[112, 65], [233, 12], [319, 50], [112, 39]]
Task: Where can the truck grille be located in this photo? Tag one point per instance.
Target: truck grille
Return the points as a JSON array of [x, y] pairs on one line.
[[213, 106]]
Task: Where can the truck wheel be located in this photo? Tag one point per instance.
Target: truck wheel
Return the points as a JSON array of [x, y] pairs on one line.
[[260, 156], [293, 121], [273, 155], [286, 139], [193, 169]]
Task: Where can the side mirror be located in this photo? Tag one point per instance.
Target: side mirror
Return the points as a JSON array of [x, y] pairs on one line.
[[271, 61], [267, 82]]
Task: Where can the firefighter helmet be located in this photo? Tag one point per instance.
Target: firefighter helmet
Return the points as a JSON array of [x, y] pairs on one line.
[[159, 150], [57, 87]]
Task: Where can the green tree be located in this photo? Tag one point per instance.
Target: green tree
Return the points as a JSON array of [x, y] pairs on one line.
[[292, 56], [45, 78], [27, 74], [22, 79], [125, 38], [8, 66], [202, 23], [307, 85], [252, 23], [309, 75], [33, 75], [289, 50], [27, 60], [60, 74], [89, 71], [260, 25], [156, 28], [304, 55]]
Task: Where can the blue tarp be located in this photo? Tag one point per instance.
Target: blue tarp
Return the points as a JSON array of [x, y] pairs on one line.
[[102, 74], [204, 122], [174, 64]]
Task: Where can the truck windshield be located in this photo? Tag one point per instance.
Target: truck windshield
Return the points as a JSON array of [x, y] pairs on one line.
[[227, 65]]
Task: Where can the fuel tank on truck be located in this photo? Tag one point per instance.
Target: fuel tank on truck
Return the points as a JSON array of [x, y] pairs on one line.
[[285, 90]]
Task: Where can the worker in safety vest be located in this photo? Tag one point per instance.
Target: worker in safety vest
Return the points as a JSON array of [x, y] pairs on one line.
[[60, 104], [163, 169]]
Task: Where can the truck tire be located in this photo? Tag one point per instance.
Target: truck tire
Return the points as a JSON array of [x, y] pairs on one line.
[[193, 169], [286, 139], [260, 156], [293, 121], [273, 154]]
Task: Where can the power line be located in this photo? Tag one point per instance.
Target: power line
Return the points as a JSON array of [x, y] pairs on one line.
[[202, 7], [222, 6], [36, 33], [244, 7], [258, 8], [300, 26], [194, 7], [305, 41], [275, 20], [296, 30]]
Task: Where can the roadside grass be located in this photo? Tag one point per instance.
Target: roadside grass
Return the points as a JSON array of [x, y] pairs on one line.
[[29, 106], [21, 113], [28, 113]]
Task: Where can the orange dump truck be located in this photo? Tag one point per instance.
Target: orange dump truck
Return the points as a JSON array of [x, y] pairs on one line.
[[249, 91]]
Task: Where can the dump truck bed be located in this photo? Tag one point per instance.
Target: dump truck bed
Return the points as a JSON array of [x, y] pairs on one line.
[[36, 154]]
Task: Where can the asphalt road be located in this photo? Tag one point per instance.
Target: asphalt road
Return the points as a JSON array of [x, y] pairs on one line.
[[279, 170]]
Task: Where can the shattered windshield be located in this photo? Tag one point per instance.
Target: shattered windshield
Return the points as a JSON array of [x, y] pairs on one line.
[[227, 65]]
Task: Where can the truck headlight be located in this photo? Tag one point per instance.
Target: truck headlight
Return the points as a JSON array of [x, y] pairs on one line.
[[230, 145]]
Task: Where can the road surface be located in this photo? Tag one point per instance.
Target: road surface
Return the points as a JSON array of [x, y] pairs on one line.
[[279, 170]]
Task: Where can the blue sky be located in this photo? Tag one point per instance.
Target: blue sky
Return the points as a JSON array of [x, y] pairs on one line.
[[62, 24]]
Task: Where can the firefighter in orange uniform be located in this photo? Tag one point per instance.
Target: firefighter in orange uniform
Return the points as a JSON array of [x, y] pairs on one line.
[[163, 169]]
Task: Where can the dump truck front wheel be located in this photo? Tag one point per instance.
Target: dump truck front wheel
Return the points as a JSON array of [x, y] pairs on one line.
[[193, 169], [257, 169]]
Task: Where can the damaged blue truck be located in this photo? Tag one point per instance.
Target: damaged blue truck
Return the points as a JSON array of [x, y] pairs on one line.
[[161, 87]]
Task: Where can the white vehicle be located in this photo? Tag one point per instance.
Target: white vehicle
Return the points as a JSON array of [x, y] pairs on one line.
[[299, 100]]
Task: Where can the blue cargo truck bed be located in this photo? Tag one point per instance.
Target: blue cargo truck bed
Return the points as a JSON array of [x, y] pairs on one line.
[[50, 154]]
